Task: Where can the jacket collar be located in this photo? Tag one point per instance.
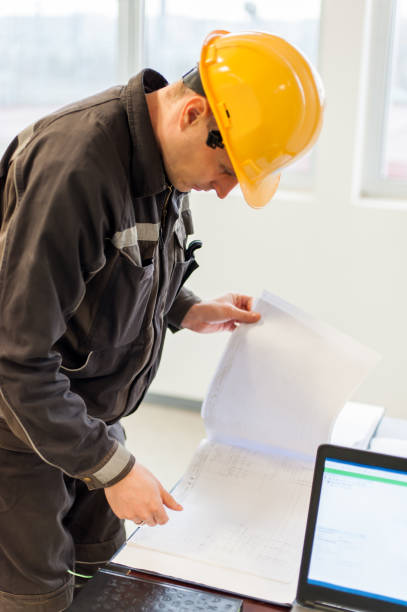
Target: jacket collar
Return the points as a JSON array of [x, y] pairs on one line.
[[147, 165]]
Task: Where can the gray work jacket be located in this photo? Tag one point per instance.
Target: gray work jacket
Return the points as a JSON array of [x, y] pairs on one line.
[[92, 259]]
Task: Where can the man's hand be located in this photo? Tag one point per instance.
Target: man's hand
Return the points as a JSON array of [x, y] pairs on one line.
[[140, 497], [221, 314]]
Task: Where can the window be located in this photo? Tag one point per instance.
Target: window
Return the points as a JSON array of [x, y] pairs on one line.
[[53, 53], [386, 128], [56, 52], [395, 149], [175, 30]]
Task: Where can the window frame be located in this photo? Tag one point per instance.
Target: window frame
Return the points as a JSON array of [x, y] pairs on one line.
[[130, 38], [373, 185], [381, 48], [376, 73]]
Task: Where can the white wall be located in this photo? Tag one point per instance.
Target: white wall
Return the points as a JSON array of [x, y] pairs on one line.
[[333, 254]]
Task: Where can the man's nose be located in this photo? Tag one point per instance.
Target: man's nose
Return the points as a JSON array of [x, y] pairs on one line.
[[224, 186]]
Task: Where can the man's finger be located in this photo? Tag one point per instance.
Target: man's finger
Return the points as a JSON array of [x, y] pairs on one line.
[[244, 302], [160, 516], [244, 316], [161, 519], [169, 501]]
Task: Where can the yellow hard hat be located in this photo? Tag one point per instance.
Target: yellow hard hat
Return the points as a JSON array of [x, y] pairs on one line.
[[267, 101]]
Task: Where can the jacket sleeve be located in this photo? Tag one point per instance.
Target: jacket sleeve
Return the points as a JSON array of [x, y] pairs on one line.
[[56, 214], [182, 303]]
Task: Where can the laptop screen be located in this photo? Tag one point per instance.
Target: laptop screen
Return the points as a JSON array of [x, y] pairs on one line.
[[357, 550]]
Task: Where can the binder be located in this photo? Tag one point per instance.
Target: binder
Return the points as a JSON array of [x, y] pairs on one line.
[[112, 590]]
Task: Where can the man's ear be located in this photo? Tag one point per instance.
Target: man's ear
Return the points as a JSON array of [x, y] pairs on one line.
[[194, 110]]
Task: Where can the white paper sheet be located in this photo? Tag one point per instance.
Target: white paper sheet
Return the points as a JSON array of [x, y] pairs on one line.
[[389, 446], [390, 437], [253, 528], [356, 424], [281, 382]]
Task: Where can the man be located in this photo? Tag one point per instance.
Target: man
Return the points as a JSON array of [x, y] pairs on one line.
[[93, 256]]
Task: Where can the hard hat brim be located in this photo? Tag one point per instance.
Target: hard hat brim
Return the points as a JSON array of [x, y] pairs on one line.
[[258, 195]]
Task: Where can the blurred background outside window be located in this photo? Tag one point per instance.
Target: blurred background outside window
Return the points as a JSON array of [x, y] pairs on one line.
[[53, 53]]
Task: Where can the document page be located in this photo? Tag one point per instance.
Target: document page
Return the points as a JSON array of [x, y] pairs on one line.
[[245, 537], [281, 382]]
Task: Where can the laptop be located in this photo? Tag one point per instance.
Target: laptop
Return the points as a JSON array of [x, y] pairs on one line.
[[355, 546]]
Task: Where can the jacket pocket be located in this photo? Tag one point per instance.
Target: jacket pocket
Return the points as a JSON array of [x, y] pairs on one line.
[[123, 304], [80, 369]]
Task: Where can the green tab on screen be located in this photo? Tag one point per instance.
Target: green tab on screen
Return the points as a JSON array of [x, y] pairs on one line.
[[365, 476]]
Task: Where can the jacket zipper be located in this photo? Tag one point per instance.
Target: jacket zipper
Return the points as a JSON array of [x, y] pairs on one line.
[[154, 335], [164, 212]]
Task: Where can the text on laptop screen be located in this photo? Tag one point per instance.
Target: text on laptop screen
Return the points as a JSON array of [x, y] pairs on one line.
[[360, 536]]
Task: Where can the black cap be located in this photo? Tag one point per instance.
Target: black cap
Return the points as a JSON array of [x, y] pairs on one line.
[[192, 79]]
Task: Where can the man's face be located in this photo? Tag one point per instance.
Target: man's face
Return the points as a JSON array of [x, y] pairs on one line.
[[190, 162], [206, 169]]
